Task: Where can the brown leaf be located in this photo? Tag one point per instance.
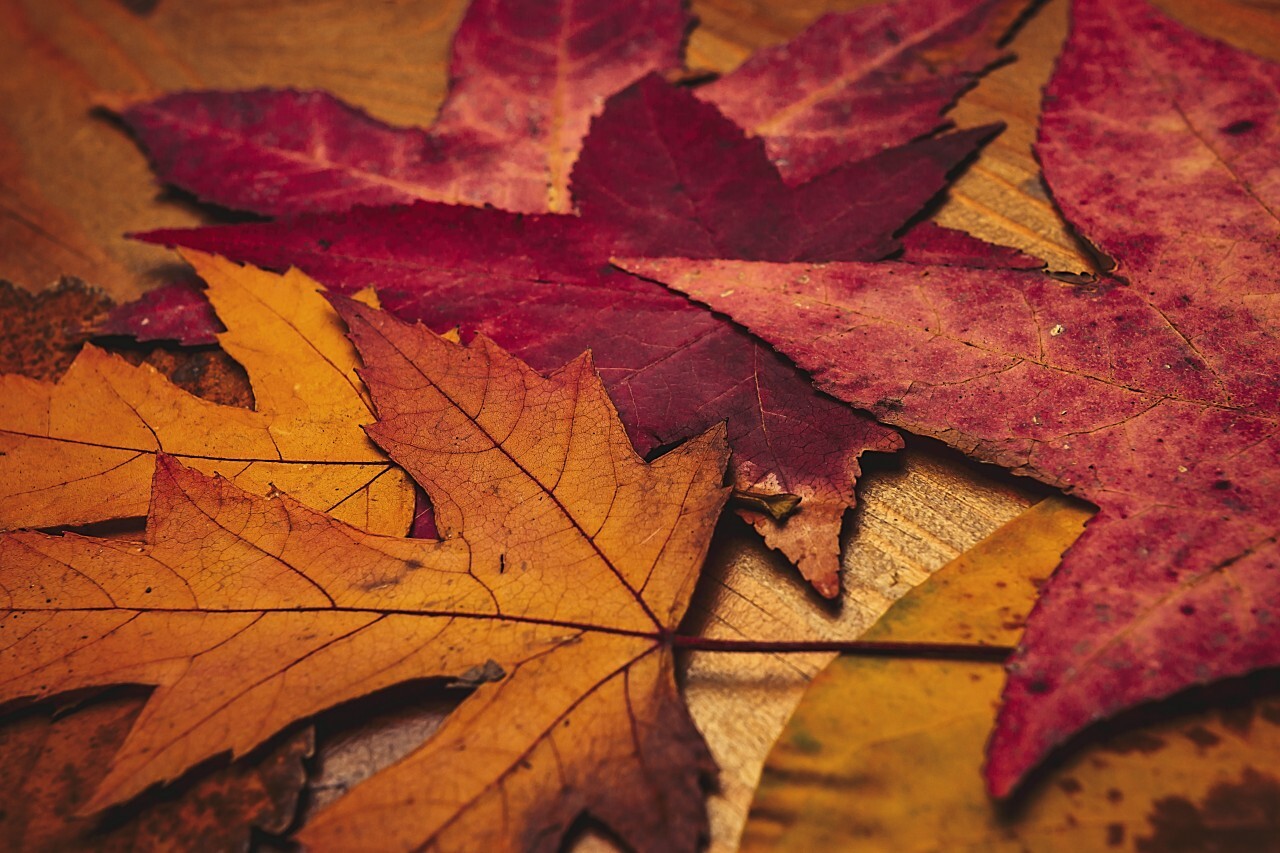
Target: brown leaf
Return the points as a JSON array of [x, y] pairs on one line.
[[54, 763], [82, 450], [566, 563]]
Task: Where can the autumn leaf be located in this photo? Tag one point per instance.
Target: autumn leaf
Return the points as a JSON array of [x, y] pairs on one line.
[[83, 449], [526, 78], [567, 561], [857, 82], [177, 311], [930, 243], [1149, 392], [848, 770], [54, 763], [541, 287]]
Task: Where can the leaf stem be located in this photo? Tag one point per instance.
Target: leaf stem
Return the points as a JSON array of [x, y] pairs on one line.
[[866, 648]]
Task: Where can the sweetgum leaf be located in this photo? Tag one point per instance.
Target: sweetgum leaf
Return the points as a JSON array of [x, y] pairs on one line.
[[527, 76], [541, 287], [1152, 392], [860, 81], [567, 562], [177, 311], [930, 243]]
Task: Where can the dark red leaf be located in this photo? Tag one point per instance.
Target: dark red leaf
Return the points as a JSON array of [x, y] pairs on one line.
[[930, 243], [1154, 392], [672, 176], [173, 312]]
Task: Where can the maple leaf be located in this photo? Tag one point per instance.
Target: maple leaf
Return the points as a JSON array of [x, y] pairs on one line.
[[541, 287], [567, 563], [1151, 392], [857, 82], [83, 449]]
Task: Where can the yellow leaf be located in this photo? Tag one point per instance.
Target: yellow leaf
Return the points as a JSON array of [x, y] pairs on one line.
[[83, 449], [886, 754]]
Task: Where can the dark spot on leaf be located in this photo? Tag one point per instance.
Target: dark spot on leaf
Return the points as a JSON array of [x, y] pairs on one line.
[[413, 565], [1233, 816], [140, 7], [148, 590], [1222, 485], [1134, 742], [1038, 686], [477, 675], [1115, 834], [1238, 719], [1238, 127], [1187, 610], [1070, 784], [1114, 795], [1201, 736], [889, 404], [324, 244]]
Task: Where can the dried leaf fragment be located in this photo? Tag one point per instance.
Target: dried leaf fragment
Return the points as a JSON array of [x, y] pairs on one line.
[[54, 764]]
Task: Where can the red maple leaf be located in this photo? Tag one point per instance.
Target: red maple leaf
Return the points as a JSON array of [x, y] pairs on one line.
[[1152, 392]]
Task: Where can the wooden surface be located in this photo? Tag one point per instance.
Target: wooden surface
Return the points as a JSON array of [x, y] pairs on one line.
[[71, 184]]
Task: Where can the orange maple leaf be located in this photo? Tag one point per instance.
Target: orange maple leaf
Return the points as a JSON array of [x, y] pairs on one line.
[[566, 563]]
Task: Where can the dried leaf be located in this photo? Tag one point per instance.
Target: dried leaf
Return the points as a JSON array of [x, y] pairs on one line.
[[177, 311], [54, 765], [848, 770], [928, 243], [566, 562], [858, 82], [40, 333], [83, 449], [519, 106], [1152, 395]]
